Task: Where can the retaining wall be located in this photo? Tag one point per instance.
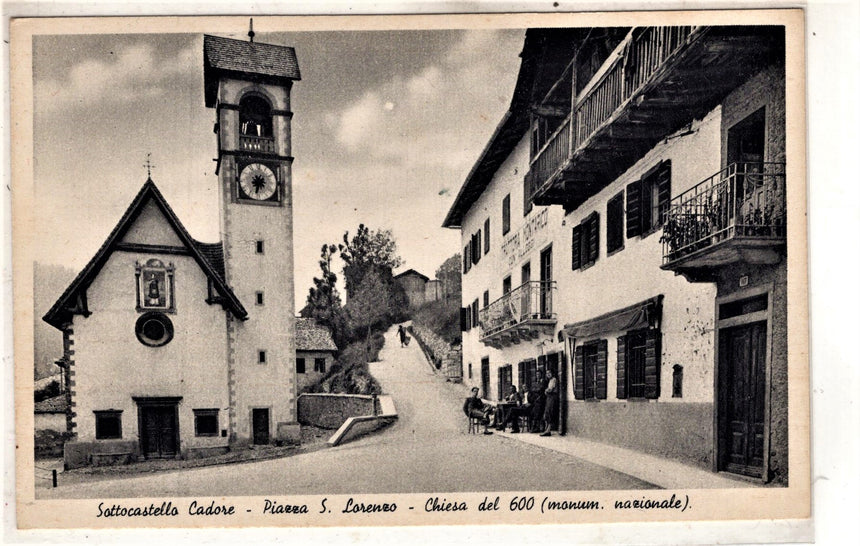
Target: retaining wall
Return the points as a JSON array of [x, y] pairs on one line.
[[447, 359], [330, 410]]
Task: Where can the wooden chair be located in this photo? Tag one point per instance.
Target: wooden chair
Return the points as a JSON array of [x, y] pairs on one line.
[[474, 424]]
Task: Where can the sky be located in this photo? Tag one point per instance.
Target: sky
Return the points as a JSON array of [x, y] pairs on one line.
[[386, 127]]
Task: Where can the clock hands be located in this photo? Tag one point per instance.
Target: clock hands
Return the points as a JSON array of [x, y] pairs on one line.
[[258, 182]]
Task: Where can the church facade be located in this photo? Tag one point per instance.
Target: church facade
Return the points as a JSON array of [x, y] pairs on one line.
[[179, 348]]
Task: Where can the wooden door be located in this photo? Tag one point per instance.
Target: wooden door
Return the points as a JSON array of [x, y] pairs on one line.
[[742, 368], [260, 418], [158, 437]]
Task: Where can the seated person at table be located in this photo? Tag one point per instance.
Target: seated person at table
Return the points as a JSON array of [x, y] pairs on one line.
[[514, 410], [475, 407]]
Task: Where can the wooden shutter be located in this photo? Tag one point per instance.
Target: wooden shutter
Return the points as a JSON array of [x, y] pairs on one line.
[[621, 369], [600, 388], [634, 209], [521, 373], [465, 314], [652, 364], [576, 248], [501, 373], [664, 189], [593, 228], [467, 257], [486, 235], [478, 246], [541, 364], [578, 374]]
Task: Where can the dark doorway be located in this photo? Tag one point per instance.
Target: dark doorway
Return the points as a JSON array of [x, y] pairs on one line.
[[745, 147], [546, 283], [742, 398], [260, 418], [158, 425], [745, 140], [526, 297], [552, 364], [485, 378]]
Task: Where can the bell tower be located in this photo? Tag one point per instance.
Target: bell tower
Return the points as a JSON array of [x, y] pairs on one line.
[[248, 84]]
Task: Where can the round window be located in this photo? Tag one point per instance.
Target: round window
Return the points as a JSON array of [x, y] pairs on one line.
[[154, 329]]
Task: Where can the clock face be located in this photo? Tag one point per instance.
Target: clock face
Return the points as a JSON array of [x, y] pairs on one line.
[[258, 182]]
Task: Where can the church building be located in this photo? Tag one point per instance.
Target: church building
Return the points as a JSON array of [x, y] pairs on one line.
[[179, 348]]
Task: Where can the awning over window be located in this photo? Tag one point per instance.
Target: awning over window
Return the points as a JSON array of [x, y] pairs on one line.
[[640, 315]]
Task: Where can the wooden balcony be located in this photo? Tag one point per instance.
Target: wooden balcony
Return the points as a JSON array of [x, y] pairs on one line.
[[264, 145], [654, 83], [522, 314], [736, 215]]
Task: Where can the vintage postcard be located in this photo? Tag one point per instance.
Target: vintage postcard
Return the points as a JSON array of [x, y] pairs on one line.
[[413, 270]]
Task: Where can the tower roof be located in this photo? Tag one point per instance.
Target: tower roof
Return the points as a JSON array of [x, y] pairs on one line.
[[266, 63]]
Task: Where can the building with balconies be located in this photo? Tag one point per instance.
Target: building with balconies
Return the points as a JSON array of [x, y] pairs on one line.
[[650, 164]]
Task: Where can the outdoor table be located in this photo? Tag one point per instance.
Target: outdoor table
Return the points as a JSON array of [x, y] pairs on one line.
[[503, 410]]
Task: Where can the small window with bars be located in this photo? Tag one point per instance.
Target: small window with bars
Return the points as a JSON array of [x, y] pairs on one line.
[[206, 422], [108, 424]]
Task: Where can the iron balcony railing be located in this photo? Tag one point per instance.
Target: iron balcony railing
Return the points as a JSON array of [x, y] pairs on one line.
[[249, 143], [531, 301], [742, 200], [642, 53]]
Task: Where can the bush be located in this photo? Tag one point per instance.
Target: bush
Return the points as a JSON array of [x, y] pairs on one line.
[[50, 390], [350, 374], [442, 318], [49, 443]]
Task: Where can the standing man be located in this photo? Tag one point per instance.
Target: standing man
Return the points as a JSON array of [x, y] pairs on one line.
[[551, 408]]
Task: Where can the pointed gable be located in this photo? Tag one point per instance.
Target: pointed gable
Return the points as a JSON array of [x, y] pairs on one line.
[[150, 221]]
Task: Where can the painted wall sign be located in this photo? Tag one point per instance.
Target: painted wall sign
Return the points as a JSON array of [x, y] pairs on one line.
[[519, 243]]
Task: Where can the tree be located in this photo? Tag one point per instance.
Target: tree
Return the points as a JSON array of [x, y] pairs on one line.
[[449, 274], [324, 303], [369, 305], [367, 249]]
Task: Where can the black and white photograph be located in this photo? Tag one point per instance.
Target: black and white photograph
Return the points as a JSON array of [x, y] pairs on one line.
[[394, 271]]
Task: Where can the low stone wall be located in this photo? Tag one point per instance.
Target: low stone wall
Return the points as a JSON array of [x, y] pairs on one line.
[[355, 427], [447, 359], [329, 410]]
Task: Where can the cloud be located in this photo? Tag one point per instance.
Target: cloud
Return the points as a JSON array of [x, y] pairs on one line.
[[131, 73], [443, 114]]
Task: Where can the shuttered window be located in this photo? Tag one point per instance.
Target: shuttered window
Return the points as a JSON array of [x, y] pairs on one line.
[[467, 258], [465, 319], [638, 365], [648, 200], [474, 314], [576, 248], [615, 223], [585, 243], [621, 369], [527, 198], [589, 370], [486, 235], [506, 214], [486, 298], [477, 246], [485, 377]]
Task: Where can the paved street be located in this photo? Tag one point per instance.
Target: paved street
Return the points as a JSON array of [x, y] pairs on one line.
[[426, 450]]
